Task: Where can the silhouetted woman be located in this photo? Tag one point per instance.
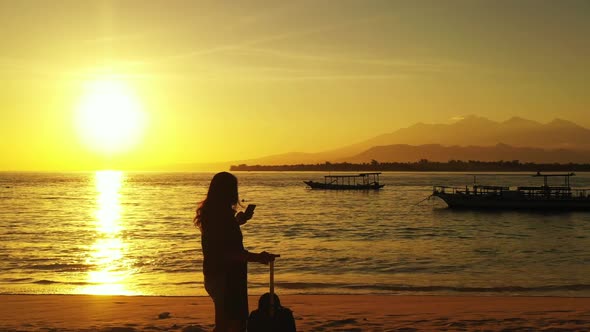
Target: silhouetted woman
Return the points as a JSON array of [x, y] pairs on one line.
[[224, 257]]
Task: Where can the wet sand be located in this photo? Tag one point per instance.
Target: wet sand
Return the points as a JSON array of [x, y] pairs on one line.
[[312, 313]]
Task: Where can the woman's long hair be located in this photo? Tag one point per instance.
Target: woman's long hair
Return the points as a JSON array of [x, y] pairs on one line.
[[222, 198]]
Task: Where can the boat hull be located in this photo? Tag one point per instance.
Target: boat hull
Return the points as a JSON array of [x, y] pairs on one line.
[[328, 186], [462, 201]]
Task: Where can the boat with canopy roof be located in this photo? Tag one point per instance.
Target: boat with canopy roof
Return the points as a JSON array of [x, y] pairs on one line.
[[544, 197], [362, 181]]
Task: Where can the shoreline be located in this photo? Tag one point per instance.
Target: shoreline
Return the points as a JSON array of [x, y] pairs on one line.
[[467, 295], [126, 313]]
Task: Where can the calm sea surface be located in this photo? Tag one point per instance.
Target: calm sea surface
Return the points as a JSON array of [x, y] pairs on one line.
[[132, 233]]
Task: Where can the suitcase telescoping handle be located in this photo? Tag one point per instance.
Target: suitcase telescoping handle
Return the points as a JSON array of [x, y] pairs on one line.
[[271, 285], [272, 289]]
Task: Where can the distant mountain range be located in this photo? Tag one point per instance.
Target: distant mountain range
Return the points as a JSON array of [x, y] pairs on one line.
[[479, 131], [471, 138]]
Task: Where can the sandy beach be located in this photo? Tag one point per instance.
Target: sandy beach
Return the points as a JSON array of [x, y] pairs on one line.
[[312, 313]]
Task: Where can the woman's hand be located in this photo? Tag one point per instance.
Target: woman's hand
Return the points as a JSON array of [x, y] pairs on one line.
[[242, 217], [266, 257]]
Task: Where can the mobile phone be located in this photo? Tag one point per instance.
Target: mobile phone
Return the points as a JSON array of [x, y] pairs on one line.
[[250, 209]]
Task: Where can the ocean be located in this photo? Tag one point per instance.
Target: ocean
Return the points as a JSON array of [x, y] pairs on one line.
[[131, 233]]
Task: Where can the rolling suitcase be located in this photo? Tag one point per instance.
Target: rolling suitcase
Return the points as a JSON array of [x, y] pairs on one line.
[[270, 315]]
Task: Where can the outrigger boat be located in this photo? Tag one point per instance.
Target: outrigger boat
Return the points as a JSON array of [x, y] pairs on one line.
[[362, 181], [543, 197]]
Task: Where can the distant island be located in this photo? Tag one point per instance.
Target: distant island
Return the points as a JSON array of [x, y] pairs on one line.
[[422, 165]]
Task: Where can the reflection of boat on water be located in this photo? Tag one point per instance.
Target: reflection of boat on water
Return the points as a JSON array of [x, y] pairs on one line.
[[543, 197], [362, 181]]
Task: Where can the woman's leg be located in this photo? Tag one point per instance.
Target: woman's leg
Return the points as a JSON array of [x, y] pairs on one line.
[[214, 286], [221, 323], [236, 326]]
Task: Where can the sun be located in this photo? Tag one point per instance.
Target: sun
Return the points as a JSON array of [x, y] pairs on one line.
[[109, 116]]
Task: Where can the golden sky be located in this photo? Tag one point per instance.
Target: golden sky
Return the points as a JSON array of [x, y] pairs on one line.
[[230, 80]]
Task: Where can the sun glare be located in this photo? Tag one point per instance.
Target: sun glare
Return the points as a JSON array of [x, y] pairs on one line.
[[109, 116], [111, 273]]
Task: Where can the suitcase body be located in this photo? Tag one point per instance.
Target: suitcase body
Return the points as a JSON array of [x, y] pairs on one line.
[[270, 315]]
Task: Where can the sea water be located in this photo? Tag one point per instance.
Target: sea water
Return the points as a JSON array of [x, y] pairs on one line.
[[112, 232]]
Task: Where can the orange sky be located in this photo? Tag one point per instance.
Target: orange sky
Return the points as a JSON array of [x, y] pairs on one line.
[[223, 80]]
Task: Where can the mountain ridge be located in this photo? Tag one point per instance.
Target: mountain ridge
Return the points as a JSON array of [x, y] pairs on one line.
[[515, 132], [470, 138]]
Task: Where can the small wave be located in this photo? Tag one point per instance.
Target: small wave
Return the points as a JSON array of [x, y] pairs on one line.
[[46, 282], [16, 279], [63, 197], [62, 267], [75, 283], [434, 289], [501, 289], [187, 283]]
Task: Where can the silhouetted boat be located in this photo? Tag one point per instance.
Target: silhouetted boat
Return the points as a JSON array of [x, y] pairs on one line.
[[362, 181], [543, 197]]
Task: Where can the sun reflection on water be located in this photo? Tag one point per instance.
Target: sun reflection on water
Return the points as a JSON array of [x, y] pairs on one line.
[[107, 253]]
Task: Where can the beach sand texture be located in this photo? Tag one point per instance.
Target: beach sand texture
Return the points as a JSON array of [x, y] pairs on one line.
[[312, 313]]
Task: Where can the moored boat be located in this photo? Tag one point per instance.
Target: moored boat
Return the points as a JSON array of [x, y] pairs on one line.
[[362, 181], [543, 197]]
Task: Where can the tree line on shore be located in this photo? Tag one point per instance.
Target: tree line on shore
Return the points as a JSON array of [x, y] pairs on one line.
[[422, 165]]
